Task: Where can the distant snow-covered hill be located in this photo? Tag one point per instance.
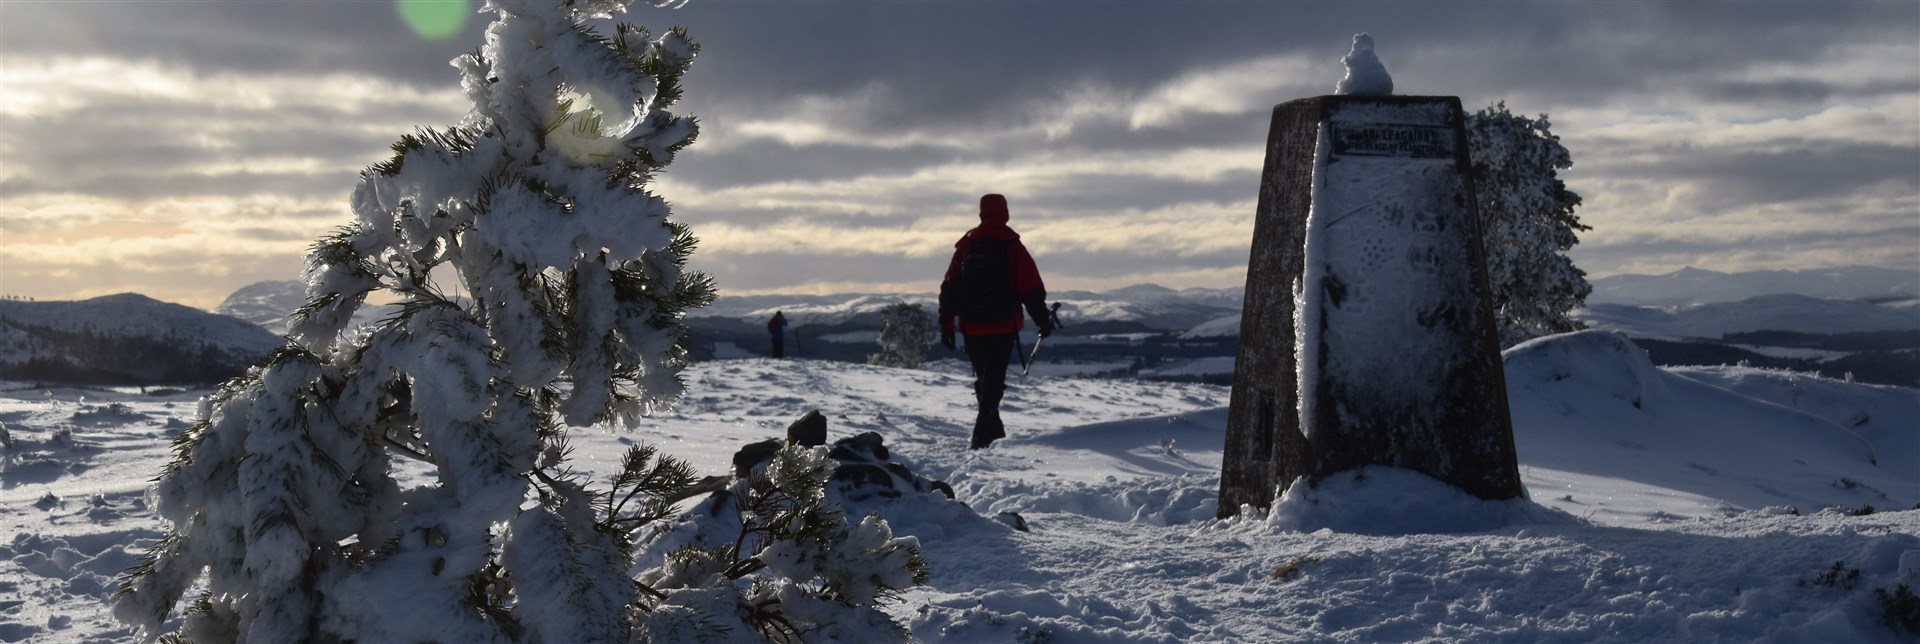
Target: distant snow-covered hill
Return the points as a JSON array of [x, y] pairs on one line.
[[1149, 305], [1696, 286], [265, 303], [809, 309], [269, 303], [1798, 313], [1154, 331], [125, 339]]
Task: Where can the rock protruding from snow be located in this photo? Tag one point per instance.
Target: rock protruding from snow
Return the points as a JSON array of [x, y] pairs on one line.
[[810, 430], [1365, 75], [864, 470]]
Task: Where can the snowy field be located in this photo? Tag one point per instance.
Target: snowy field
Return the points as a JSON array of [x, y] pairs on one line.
[[1667, 505]]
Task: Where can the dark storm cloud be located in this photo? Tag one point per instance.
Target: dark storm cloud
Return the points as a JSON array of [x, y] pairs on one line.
[[760, 161], [133, 147], [764, 161], [813, 216], [259, 37], [953, 61], [238, 183], [269, 234], [870, 121], [1757, 248], [142, 159], [1121, 194], [1747, 176], [1143, 263], [1801, 91], [746, 274]]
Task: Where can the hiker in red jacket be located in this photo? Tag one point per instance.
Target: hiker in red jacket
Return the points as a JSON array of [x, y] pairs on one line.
[[989, 279]]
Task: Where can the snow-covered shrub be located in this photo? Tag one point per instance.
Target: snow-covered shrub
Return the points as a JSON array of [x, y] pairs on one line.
[[905, 333], [1899, 609], [1527, 224], [789, 566], [281, 499]]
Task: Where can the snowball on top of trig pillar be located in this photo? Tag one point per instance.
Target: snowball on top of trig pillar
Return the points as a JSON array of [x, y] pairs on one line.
[[1365, 75]]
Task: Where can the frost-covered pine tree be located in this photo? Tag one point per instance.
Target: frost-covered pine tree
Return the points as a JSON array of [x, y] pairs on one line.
[[283, 502], [905, 333], [1526, 216]]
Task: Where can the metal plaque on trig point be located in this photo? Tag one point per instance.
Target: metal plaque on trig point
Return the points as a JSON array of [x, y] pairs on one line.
[[1392, 140]]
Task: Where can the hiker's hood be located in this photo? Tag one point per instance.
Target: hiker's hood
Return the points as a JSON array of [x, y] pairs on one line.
[[993, 210], [993, 220]]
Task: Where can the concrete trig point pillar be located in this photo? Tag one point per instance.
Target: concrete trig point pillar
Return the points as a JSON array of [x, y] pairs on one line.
[[1367, 336]]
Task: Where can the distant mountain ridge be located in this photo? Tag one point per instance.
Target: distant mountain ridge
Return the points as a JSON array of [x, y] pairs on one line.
[[125, 339], [135, 314], [1698, 286], [265, 303], [1619, 302], [1150, 305], [269, 303], [1797, 313]]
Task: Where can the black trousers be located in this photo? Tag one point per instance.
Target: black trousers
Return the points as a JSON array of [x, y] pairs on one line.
[[990, 355], [779, 346]]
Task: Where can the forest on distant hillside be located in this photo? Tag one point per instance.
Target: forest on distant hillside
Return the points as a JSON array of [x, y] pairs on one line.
[[86, 356]]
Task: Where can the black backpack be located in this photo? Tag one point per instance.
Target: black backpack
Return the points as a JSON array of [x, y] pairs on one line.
[[985, 283]]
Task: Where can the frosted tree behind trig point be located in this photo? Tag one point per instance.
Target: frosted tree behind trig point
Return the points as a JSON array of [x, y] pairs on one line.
[[1527, 223], [281, 498]]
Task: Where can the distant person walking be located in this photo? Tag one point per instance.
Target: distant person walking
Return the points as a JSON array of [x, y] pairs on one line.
[[777, 327], [989, 279]]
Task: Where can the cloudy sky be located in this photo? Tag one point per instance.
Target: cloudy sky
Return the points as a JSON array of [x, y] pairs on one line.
[[185, 148]]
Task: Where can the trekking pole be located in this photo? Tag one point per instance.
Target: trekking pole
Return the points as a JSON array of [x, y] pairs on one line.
[[1053, 315], [1021, 353]]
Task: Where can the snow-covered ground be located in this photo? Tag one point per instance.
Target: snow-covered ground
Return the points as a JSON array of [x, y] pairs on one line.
[[1662, 507]]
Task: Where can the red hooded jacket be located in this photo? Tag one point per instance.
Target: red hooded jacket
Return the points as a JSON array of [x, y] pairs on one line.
[[1027, 287]]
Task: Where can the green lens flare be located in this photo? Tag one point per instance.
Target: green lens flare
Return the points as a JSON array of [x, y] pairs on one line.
[[435, 19]]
